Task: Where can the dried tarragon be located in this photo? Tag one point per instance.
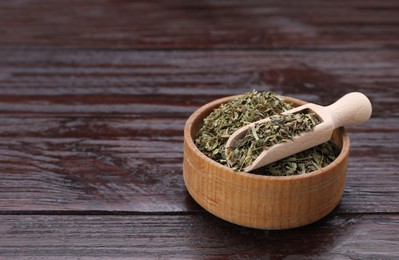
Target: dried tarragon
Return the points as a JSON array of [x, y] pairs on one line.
[[281, 128], [227, 118], [250, 107], [307, 161]]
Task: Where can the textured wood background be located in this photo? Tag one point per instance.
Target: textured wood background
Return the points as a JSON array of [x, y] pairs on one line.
[[94, 96]]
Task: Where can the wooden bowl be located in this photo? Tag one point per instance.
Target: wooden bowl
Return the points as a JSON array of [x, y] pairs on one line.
[[266, 202]]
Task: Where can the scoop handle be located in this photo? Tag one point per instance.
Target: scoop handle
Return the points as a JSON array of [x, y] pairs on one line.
[[352, 109]]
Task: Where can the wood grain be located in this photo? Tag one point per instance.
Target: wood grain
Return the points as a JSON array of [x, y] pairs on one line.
[[176, 24], [174, 84], [136, 165], [81, 130], [199, 236], [94, 95]]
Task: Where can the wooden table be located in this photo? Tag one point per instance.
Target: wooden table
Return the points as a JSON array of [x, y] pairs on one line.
[[94, 96]]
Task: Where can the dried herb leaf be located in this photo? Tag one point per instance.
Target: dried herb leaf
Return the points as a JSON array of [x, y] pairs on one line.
[[226, 119], [253, 106], [281, 128], [307, 161]]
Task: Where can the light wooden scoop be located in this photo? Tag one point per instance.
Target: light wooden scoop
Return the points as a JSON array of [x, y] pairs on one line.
[[352, 109]]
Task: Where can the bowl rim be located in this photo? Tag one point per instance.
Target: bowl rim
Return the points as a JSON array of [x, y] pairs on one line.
[[199, 112]]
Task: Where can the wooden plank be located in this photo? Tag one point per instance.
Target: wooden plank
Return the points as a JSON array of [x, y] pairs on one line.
[[125, 164], [135, 165], [206, 24], [199, 236], [173, 84], [121, 84], [102, 130]]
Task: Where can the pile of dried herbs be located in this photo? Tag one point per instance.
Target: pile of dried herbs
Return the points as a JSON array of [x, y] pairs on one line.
[[250, 107], [281, 128]]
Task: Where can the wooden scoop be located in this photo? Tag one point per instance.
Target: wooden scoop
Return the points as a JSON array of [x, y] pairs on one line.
[[352, 109]]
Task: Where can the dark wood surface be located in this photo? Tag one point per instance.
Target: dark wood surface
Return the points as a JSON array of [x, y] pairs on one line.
[[94, 96]]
